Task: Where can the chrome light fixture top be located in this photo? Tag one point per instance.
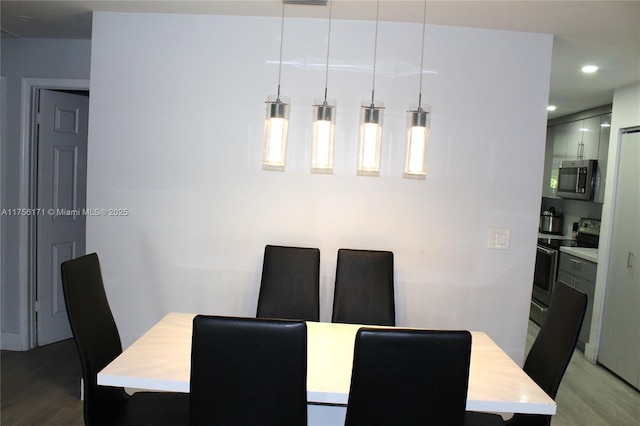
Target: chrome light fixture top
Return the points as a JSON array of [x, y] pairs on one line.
[[324, 120], [276, 125], [418, 126], [371, 117]]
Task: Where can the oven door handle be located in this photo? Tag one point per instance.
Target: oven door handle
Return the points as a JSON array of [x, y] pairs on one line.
[[547, 250], [538, 305]]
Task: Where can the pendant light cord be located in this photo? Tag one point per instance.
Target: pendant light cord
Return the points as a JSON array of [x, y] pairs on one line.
[[280, 61], [375, 52], [424, 24], [326, 74]]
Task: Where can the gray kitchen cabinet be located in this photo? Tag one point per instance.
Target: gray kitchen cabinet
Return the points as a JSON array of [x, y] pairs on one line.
[[567, 141], [619, 348], [584, 138], [577, 140], [581, 275], [560, 141], [587, 148], [603, 156], [548, 187], [556, 152]]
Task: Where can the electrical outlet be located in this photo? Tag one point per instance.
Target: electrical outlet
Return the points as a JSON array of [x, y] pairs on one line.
[[499, 238]]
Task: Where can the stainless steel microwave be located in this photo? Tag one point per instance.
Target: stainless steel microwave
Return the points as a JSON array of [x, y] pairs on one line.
[[577, 179]]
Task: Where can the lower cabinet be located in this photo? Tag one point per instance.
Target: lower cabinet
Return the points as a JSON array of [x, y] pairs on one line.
[[581, 275]]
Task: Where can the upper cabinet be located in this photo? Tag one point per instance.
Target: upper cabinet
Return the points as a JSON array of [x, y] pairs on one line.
[[577, 140], [603, 155], [550, 182], [583, 136], [588, 147]]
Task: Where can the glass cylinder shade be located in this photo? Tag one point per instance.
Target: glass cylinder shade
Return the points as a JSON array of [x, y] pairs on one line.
[[417, 145], [370, 138], [276, 129], [324, 126]]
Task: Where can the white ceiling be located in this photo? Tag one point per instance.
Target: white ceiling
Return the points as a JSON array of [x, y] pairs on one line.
[[604, 33]]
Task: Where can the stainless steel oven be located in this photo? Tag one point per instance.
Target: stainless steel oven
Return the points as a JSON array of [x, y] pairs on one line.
[[547, 257], [543, 280]]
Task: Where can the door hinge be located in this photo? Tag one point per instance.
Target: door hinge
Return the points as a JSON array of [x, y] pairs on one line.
[[36, 306]]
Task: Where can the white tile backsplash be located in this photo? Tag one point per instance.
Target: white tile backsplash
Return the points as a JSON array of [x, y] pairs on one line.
[[573, 211]]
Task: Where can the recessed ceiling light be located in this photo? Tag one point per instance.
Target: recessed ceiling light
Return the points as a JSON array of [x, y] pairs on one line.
[[551, 108], [588, 69]]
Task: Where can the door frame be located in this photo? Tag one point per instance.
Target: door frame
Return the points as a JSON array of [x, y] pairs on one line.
[[27, 197], [606, 232], [3, 126]]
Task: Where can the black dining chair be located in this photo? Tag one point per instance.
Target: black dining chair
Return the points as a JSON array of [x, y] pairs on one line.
[[411, 377], [290, 285], [248, 372], [408, 377], [553, 347], [364, 288], [98, 342]]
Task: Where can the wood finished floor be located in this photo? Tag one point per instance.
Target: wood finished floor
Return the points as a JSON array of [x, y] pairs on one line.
[[42, 387], [590, 395]]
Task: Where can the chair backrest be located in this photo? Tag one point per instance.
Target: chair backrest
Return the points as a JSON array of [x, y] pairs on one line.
[[409, 377], [552, 349], [95, 333], [363, 291], [248, 372], [290, 286]]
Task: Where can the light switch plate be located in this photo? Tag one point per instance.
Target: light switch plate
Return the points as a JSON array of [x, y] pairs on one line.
[[499, 238]]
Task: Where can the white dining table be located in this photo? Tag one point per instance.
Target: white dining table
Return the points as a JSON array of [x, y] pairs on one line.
[[160, 360]]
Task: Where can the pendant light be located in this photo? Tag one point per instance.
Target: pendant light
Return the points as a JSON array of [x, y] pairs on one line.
[[371, 115], [324, 123], [418, 127], [276, 125]]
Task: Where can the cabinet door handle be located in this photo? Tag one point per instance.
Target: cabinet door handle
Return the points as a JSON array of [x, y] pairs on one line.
[[630, 260], [577, 261]]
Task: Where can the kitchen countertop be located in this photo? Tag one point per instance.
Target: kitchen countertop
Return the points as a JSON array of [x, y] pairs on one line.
[[590, 254], [553, 236]]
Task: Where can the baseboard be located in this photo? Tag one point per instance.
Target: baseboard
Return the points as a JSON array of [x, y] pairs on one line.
[[590, 353], [13, 342]]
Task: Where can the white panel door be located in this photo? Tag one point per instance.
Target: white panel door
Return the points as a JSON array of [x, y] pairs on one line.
[[620, 335], [61, 195]]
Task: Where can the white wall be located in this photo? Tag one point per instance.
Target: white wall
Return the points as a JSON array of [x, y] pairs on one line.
[[625, 114], [177, 110], [25, 59]]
